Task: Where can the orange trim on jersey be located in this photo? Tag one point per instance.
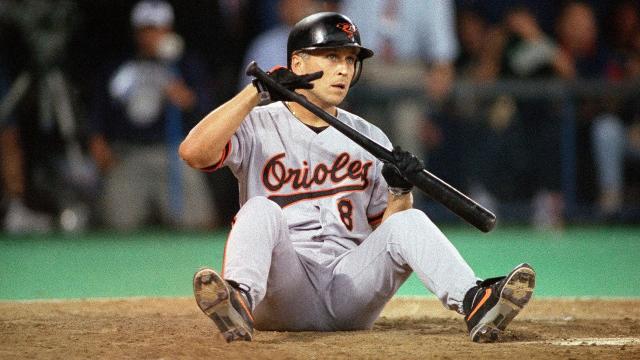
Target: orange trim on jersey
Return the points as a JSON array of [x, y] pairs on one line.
[[312, 194], [482, 301], [225, 153]]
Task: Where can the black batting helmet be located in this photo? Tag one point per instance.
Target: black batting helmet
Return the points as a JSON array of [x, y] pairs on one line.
[[327, 30]]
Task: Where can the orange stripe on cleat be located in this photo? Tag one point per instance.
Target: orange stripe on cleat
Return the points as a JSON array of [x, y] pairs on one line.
[[241, 300], [482, 301]]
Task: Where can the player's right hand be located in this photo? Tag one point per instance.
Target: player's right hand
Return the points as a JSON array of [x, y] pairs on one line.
[[289, 80]]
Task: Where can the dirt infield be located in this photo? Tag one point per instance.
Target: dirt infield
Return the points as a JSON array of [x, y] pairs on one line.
[[409, 328]]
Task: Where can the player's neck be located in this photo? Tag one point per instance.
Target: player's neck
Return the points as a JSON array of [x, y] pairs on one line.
[[306, 116]]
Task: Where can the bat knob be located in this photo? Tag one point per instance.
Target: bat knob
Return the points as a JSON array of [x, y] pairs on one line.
[[252, 68]]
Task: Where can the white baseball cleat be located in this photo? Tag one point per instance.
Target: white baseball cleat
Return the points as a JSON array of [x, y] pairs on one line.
[[493, 303], [225, 302]]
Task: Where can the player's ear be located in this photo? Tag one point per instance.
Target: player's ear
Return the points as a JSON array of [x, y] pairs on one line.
[[297, 63]]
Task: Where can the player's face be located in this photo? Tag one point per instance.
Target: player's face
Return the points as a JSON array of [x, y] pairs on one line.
[[338, 66]]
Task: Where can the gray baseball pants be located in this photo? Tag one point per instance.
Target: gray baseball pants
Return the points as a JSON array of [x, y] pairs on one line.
[[293, 290]]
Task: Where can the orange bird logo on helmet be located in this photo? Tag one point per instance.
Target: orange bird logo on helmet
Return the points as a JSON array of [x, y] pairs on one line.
[[348, 29]]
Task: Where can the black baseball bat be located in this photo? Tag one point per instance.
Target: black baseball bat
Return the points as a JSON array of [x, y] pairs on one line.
[[437, 189]]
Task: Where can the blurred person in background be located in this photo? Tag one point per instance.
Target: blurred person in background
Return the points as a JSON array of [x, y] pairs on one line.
[[330, 5], [519, 48], [416, 41], [482, 139], [585, 56], [220, 31], [624, 37], [523, 50], [18, 218], [140, 112], [447, 133], [268, 49], [615, 136], [474, 61], [43, 163], [488, 141]]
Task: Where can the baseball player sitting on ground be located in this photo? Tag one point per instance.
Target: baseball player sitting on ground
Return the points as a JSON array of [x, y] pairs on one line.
[[326, 233]]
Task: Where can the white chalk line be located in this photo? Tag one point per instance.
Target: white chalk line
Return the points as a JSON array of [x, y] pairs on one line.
[[591, 342]]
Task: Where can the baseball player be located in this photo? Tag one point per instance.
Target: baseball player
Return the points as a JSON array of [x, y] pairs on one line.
[[326, 233]]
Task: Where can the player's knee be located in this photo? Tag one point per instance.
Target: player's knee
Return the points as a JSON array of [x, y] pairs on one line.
[[262, 203], [409, 215], [411, 222]]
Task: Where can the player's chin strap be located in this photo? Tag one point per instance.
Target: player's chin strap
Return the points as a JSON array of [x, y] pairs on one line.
[[244, 289]]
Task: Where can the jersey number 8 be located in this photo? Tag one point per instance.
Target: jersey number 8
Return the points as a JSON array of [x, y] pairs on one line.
[[345, 209]]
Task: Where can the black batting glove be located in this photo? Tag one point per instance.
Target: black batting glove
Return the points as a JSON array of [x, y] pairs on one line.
[[404, 163], [289, 80]]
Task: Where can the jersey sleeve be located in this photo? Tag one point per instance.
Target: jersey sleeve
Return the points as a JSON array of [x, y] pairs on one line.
[[378, 203], [236, 152]]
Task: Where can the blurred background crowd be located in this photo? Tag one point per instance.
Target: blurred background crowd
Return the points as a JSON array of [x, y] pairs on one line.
[[531, 107]]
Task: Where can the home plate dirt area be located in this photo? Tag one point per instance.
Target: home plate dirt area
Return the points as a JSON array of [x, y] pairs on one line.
[[409, 328]]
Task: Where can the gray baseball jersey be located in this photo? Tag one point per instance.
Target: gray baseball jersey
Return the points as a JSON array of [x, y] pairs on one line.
[[327, 185]]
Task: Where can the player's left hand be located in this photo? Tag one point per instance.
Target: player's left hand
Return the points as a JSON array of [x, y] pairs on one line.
[[290, 80], [395, 173]]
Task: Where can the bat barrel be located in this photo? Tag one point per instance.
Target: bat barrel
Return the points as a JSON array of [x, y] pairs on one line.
[[460, 204]]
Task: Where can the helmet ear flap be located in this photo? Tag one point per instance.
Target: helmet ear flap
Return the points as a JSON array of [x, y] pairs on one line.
[[357, 71]]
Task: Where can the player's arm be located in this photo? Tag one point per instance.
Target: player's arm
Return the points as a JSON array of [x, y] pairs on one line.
[[396, 203], [205, 143]]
